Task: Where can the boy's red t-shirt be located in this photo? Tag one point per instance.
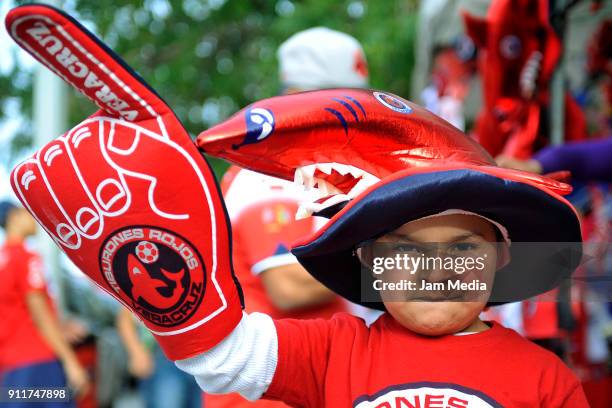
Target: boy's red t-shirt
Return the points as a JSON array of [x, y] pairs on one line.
[[21, 272], [342, 363]]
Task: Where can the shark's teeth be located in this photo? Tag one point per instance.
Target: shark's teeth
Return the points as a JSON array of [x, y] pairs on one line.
[[304, 177], [363, 184], [309, 170], [302, 212], [325, 168], [333, 200], [298, 177], [355, 172], [326, 188], [323, 187], [529, 74], [309, 181], [341, 168], [306, 209]]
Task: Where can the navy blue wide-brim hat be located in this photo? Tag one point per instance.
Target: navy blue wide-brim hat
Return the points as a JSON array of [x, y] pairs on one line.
[[543, 227], [379, 162]]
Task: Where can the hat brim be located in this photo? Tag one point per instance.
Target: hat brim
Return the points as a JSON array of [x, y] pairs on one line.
[[530, 213]]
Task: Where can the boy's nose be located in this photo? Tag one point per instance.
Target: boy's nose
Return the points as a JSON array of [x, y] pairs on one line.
[[438, 274]]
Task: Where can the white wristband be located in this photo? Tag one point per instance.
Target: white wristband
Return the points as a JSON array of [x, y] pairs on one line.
[[244, 362]]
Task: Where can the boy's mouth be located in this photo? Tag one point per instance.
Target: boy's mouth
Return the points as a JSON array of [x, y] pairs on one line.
[[457, 297], [332, 183]]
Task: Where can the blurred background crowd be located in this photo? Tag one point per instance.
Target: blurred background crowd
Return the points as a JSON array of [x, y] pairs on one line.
[[531, 80]]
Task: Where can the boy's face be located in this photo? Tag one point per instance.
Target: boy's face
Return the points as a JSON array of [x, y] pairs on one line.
[[457, 233]]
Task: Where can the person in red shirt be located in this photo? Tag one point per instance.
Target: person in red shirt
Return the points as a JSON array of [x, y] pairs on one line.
[[263, 209], [33, 350], [262, 212]]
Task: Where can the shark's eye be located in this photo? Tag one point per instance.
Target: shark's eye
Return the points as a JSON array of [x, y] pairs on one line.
[[465, 48], [510, 46]]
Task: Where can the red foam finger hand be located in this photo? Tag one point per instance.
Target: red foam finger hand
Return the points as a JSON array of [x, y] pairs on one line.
[[78, 208], [105, 186], [131, 151], [73, 53], [127, 195], [27, 181]]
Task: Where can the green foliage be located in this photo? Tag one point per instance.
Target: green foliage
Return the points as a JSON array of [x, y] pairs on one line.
[[210, 58]]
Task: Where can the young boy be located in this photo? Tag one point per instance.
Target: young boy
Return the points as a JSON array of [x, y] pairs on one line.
[[420, 354], [322, 363], [144, 219]]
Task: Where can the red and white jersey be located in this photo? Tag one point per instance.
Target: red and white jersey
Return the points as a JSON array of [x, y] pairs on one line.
[[262, 212], [21, 272]]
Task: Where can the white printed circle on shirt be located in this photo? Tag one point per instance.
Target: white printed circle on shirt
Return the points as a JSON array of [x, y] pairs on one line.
[[426, 394]]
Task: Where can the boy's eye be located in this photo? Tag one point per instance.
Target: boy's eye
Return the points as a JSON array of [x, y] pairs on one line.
[[462, 247], [408, 248]]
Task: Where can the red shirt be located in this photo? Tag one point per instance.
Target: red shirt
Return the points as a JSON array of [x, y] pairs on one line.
[[342, 363], [20, 341]]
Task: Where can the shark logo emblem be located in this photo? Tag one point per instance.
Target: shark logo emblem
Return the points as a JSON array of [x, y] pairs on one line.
[[157, 272], [148, 289], [260, 125], [392, 102]]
